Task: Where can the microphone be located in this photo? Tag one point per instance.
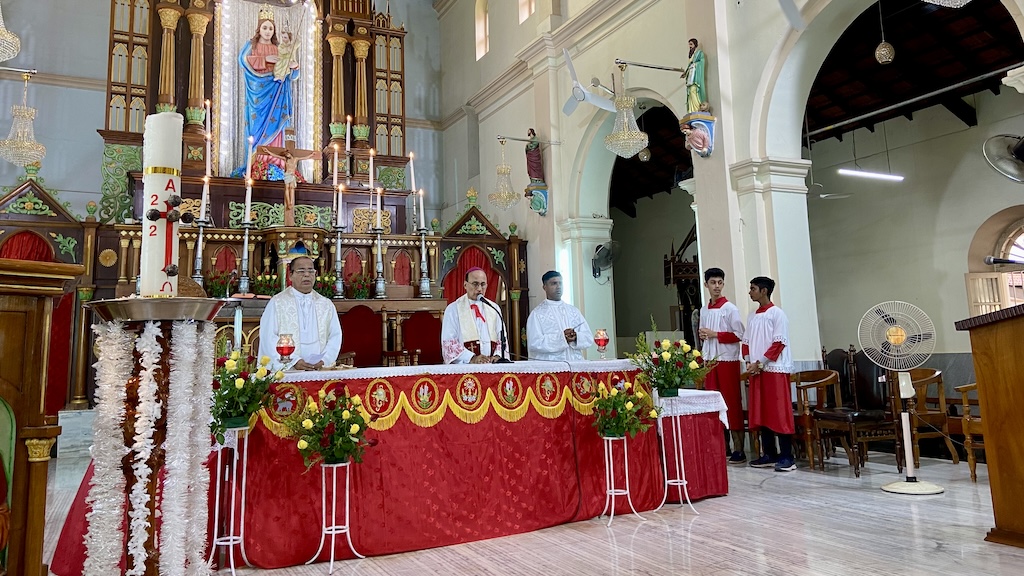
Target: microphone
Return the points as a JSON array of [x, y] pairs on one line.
[[501, 322], [991, 260]]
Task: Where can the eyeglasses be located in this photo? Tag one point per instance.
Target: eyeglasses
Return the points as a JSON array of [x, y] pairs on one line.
[[304, 271], [478, 284]]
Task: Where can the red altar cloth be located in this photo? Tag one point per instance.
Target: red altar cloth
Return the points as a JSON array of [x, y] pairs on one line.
[[425, 486]]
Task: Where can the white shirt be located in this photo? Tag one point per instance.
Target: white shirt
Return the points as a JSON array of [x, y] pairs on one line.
[[764, 328], [308, 342], [724, 318], [453, 348], [545, 332]]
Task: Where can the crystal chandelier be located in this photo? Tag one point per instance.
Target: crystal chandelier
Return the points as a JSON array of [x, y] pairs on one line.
[[10, 44], [626, 138], [504, 196], [20, 147], [949, 3], [884, 52]]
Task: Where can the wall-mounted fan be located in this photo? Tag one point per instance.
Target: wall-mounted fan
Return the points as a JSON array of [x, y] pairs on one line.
[[581, 94], [898, 336], [604, 256], [1005, 153]]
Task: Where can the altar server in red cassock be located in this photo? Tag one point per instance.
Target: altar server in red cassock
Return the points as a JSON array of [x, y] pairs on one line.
[[721, 332], [769, 363]]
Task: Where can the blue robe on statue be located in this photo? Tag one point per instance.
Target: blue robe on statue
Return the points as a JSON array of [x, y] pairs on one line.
[[268, 108]]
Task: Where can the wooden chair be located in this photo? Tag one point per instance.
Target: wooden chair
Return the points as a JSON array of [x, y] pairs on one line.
[[402, 358], [825, 384], [929, 419], [755, 438], [871, 415], [972, 428]]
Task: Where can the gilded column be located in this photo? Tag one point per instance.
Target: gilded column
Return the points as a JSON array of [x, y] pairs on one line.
[[38, 461], [84, 292], [195, 109], [361, 130], [337, 41], [169, 13]]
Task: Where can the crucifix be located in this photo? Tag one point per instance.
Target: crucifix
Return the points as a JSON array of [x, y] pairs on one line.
[[291, 156]]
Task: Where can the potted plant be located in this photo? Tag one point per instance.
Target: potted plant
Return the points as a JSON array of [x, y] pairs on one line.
[[333, 431], [360, 285], [241, 388], [623, 410], [324, 285], [265, 284], [221, 284], [668, 366]]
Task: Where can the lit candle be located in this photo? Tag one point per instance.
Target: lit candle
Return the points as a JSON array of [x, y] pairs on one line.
[[209, 138], [380, 192], [370, 183], [348, 134], [412, 173], [248, 159], [341, 209], [422, 225], [335, 172], [248, 181]]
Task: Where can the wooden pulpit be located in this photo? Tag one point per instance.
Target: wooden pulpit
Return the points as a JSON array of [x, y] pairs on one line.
[[997, 342], [27, 292]]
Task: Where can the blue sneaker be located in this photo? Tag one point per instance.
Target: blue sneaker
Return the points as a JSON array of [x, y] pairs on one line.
[[785, 465], [765, 461], [738, 458]]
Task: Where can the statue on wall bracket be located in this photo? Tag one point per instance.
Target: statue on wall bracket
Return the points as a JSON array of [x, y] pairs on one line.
[[537, 191], [697, 125]]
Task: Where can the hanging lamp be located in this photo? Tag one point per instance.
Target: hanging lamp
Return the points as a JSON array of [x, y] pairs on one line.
[[884, 52], [504, 197], [20, 147], [10, 44]]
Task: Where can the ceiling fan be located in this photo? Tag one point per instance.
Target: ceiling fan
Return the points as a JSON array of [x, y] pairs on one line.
[[1005, 153], [581, 94]]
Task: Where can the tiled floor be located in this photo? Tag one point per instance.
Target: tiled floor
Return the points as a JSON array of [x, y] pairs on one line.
[[797, 523]]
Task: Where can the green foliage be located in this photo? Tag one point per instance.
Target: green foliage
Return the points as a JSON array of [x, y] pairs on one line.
[[241, 388], [622, 410], [265, 284], [666, 364], [360, 285], [324, 285], [333, 431], [221, 284]]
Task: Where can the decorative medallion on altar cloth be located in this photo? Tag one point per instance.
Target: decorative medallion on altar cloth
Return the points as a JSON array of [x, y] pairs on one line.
[[380, 398], [469, 394], [510, 392], [425, 396], [547, 389], [584, 387], [286, 398]]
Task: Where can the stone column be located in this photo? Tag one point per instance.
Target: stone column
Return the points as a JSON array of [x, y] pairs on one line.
[[361, 129], [595, 297], [195, 110], [337, 41], [776, 239], [169, 13]]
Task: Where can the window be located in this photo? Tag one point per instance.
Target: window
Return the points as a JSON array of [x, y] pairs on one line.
[[141, 18], [137, 118], [397, 145], [119, 64], [396, 99], [139, 60], [117, 113], [380, 53], [1013, 242], [396, 55], [381, 100], [382, 140], [482, 29], [526, 9], [122, 10]]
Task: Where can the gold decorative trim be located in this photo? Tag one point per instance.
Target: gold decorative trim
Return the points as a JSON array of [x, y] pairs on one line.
[[39, 449], [162, 170], [107, 258]]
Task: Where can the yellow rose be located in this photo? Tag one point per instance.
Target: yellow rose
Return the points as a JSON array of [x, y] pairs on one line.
[[628, 385], [346, 415], [653, 413], [615, 392], [239, 383], [694, 365], [665, 356], [230, 365], [321, 394], [264, 360], [665, 344], [356, 401], [261, 373], [303, 444], [234, 355], [686, 347], [696, 353], [639, 393], [307, 424], [313, 406], [279, 375], [601, 387], [353, 429], [629, 405]]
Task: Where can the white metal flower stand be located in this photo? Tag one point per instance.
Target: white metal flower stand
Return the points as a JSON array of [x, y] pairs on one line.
[[236, 534], [609, 478], [679, 480], [333, 529]]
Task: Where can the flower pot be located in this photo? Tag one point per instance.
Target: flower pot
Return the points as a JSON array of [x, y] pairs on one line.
[[236, 422], [668, 392], [334, 461]]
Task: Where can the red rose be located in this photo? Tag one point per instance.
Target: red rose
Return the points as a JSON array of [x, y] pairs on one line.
[[250, 359], [243, 375], [679, 364], [325, 441], [329, 429], [700, 360], [221, 361], [374, 417], [655, 361], [216, 384], [331, 405]]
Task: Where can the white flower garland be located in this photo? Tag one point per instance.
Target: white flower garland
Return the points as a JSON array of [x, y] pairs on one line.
[[104, 538], [147, 413], [197, 510], [178, 449]]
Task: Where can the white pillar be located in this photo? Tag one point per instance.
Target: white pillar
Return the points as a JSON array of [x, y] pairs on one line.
[[595, 297], [776, 239], [1015, 79]]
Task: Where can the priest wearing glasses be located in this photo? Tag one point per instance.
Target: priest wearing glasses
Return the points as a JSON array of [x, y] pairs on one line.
[[472, 327], [556, 330], [310, 318]]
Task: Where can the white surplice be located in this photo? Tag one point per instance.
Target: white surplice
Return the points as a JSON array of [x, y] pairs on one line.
[[464, 326], [545, 332], [311, 319]]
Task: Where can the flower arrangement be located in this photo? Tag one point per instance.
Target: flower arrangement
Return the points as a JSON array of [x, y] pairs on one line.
[[623, 409], [265, 284], [669, 366], [241, 388], [324, 285], [221, 284], [360, 284], [333, 431]]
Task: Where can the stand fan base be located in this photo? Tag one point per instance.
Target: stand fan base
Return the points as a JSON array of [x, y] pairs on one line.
[[914, 488]]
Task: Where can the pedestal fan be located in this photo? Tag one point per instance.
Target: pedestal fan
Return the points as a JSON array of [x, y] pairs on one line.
[[898, 337]]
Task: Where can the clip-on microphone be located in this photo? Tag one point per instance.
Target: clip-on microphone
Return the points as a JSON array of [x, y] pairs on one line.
[[501, 321]]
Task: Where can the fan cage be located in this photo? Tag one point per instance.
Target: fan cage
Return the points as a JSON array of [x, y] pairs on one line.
[[880, 334]]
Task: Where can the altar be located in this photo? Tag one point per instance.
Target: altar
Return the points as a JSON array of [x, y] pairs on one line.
[[465, 453]]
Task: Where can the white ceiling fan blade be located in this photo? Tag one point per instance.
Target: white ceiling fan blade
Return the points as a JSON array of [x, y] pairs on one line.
[[792, 14], [570, 106], [599, 101], [568, 64]]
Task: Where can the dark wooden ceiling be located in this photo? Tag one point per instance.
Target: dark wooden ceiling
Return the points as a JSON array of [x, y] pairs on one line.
[[670, 162], [935, 48]]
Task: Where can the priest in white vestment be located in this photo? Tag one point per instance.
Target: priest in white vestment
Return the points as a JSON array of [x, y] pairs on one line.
[[311, 319], [556, 330], [471, 329]]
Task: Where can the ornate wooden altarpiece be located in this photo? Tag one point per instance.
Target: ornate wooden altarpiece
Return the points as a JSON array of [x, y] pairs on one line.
[[686, 275]]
